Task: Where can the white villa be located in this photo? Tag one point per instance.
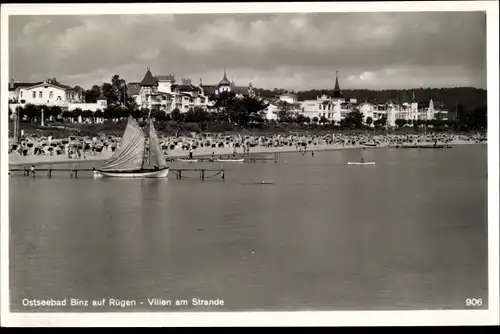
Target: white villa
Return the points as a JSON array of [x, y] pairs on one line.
[[336, 107], [162, 92], [412, 110], [51, 93], [333, 108], [274, 105]]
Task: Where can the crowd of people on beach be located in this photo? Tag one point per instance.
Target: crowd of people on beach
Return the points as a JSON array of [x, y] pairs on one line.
[[75, 147]]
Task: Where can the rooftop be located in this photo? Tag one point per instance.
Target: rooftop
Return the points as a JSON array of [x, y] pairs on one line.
[[149, 80]]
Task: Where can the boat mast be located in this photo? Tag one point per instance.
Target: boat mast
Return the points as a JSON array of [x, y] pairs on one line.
[[149, 138]]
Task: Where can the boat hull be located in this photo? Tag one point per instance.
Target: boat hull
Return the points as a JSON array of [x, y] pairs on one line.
[[187, 160], [230, 160], [362, 163], [162, 173]]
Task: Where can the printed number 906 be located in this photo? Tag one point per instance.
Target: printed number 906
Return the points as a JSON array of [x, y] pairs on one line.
[[473, 302]]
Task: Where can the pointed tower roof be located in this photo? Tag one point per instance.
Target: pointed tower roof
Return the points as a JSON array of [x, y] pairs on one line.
[[413, 99], [336, 90], [149, 80], [224, 81]]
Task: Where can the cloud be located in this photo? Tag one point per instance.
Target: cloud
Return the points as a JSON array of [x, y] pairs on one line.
[[294, 51]]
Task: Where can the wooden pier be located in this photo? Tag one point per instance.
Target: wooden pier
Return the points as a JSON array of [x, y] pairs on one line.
[[247, 158], [179, 171], [32, 171]]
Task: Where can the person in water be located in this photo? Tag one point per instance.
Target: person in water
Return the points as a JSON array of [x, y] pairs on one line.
[[362, 160]]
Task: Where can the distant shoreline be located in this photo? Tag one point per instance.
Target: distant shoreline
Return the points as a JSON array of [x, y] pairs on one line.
[[206, 152]]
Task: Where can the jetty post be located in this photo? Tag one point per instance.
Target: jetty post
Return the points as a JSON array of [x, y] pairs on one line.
[[74, 173]]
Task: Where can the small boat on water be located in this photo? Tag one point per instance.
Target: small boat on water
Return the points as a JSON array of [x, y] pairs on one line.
[[361, 163], [229, 160], [138, 155], [187, 160], [431, 146]]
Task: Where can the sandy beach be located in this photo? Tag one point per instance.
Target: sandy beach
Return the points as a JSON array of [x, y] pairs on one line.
[[15, 159]]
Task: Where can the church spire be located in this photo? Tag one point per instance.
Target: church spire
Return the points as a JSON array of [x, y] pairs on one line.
[[336, 89]]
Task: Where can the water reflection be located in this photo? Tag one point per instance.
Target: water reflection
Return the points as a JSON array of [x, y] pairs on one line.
[[410, 231]]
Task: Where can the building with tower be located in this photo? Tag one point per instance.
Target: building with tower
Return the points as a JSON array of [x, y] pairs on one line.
[[161, 92], [332, 108], [224, 85]]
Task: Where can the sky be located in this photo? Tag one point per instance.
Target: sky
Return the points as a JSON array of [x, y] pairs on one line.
[[289, 51]]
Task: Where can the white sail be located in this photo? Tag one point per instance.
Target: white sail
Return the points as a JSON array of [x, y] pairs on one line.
[[156, 156], [129, 155]]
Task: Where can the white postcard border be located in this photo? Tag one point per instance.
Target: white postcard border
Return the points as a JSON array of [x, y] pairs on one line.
[[316, 318]]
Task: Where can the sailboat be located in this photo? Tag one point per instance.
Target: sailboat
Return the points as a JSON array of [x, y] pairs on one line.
[[132, 159]]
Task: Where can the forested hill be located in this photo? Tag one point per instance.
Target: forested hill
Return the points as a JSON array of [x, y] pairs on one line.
[[471, 98]]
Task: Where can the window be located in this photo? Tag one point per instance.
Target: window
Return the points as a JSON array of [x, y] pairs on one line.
[[40, 94], [51, 95], [22, 93], [34, 95]]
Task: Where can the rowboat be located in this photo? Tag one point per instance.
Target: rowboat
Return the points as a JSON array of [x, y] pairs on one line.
[[138, 155], [187, 160], [229, 160], [361, 163]]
